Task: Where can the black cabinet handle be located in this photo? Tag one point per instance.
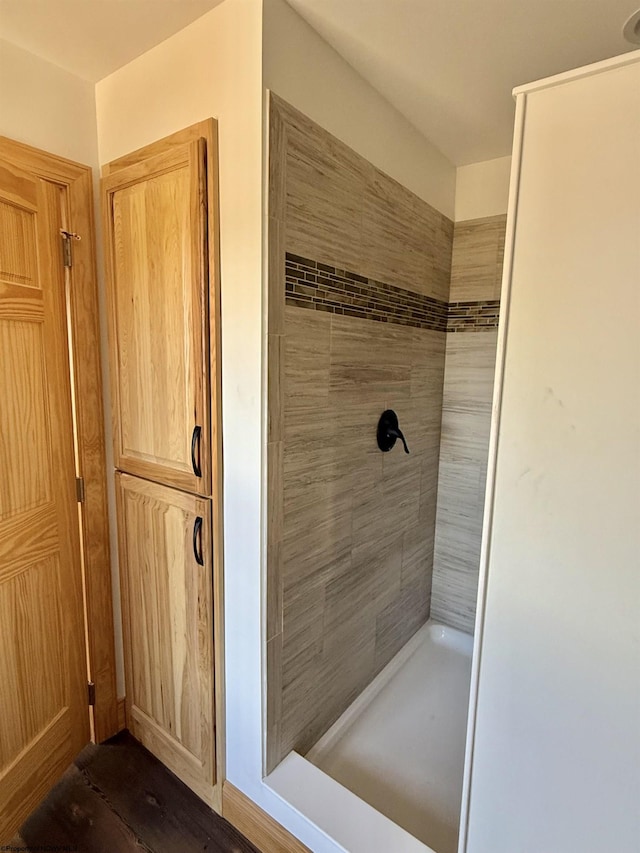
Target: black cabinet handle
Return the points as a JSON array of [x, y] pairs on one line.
[[197, 541], [195, 443]]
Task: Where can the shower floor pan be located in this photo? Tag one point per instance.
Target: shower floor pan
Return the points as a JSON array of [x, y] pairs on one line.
[[397, 753]]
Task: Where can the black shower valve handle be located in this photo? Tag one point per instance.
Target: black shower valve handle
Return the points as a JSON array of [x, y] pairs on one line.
[[397, 433], [389, 431]]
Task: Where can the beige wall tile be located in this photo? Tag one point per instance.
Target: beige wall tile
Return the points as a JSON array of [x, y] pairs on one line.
[[464, 445], [397, 623], [304, 600], [275, 355], [324, 196], [317, 536], [476, 262], [276, 275], [277, 159], [401, 486], [454, 603], [438, 256], [306, 358], [394, 234], [500, 261], [274, 699], [275, 531], [317, 699], [317, 476], [274, 589], [417, 553], [470, 366], [354, 598], [341, 210]]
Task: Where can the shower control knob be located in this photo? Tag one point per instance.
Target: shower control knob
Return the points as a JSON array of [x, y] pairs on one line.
[[389, 431]]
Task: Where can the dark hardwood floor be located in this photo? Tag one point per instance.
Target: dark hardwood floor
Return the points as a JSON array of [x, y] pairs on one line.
[[118, 798]]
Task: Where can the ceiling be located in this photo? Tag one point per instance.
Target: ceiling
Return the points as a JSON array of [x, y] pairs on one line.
[[91, 38], [449, 65]]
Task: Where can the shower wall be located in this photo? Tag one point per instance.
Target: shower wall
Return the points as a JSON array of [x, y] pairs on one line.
[[359, 273], [476, 274]]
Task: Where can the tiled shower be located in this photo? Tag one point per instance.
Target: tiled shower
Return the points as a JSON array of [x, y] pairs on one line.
[[376, 301]]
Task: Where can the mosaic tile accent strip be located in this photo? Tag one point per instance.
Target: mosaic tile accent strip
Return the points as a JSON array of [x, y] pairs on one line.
[[321, 287], [311, 284], [473, 316]]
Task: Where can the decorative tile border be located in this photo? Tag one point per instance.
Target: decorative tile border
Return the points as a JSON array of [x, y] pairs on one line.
[[320, 287], [311, 284], [473, 316]]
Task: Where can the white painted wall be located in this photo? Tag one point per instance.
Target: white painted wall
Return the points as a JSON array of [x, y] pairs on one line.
[[214, 68], [556, 758], [45, 106], [308, 73], [482, 189]]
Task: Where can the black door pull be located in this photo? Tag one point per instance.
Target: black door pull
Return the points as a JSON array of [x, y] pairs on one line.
[[197, 541], [195, 444]]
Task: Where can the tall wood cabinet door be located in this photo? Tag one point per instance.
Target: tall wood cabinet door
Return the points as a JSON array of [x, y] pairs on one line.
[[166, 569], [44, 717], [156, 234]]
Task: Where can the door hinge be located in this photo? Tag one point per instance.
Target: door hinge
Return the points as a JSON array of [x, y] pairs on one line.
[[80, 489], [91, 692], [67, 237]]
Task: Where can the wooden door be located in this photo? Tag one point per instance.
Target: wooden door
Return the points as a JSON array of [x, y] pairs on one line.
[[156, 232], [166, 569], [44, 718]]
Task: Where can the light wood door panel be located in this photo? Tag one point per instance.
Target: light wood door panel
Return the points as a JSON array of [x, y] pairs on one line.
[[74, 183], [156, 225], [167, 599], [44, 719]]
